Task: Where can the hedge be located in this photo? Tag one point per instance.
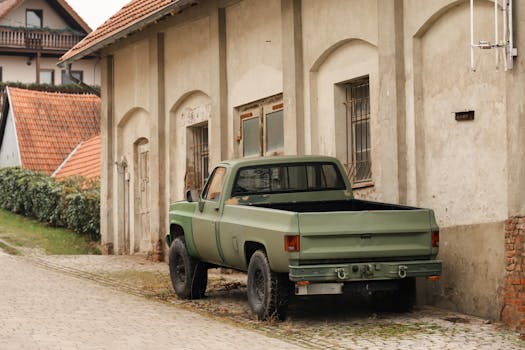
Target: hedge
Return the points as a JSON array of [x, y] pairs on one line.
[[73, 203]]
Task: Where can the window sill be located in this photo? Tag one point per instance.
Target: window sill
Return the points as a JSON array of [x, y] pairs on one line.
[[361, 185]]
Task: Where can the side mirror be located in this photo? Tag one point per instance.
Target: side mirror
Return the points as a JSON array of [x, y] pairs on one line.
[[201, 205], [189, 197]]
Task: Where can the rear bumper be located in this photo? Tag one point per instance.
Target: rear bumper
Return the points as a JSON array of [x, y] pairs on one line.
[[364, 271]]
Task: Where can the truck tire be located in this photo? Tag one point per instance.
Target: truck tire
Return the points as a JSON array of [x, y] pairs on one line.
[[188, 275], [268, 292]]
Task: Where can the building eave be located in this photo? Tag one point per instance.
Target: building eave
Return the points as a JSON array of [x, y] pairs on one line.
[[171, 9]]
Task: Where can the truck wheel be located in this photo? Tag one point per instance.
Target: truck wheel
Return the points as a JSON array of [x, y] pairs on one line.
[[268, 292], [188, 275]]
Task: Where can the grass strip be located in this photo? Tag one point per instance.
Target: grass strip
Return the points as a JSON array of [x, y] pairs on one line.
[[25, 232], [8, 249]]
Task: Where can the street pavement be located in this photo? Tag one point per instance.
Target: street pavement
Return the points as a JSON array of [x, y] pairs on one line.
[[43, 309], [68, 302]]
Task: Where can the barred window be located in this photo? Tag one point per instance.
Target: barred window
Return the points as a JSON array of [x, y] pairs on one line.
[[358, 161], [200, 156]]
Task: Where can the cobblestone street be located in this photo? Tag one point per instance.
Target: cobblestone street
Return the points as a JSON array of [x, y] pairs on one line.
[[42, 309], [46, 306]]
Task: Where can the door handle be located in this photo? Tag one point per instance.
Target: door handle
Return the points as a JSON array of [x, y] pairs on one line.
[[216, 209]]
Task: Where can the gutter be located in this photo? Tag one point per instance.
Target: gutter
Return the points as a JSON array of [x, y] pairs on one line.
[[79, 82], [176, 6]]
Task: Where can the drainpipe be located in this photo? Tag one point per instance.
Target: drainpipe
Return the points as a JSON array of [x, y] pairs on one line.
[[121, 169], [78, 82]]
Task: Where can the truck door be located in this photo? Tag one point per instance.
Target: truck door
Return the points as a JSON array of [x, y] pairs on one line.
[[206, 219]]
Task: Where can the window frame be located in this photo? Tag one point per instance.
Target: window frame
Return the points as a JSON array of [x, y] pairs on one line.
[[210, 182], [352, 119], [340, 178], [260, 109], [39, 13], [52, 71]]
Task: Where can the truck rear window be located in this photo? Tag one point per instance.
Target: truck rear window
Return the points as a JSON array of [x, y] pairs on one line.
[[282, 178]]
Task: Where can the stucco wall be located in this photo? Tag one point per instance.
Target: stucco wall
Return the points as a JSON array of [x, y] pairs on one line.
[[17, 17], [416, 55], [132, 78], [460, 162], [473, 270], [254, 58], [9, 151], [325, 26], [187, 85]]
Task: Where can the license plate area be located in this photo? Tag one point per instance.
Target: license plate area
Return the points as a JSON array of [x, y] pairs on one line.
[[319, 289]]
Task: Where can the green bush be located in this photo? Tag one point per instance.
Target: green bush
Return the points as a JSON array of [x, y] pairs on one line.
[[73, 203]]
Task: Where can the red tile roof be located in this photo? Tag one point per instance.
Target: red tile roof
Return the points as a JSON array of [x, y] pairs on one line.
[[83, 161], [135, 12], [50, 125]]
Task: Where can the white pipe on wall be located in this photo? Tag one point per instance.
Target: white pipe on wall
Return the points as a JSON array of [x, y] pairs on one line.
[[505, 28], [496, 39], [472, 36], [511, 35]]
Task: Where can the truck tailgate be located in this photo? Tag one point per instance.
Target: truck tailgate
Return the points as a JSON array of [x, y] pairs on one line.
[[365, 234]]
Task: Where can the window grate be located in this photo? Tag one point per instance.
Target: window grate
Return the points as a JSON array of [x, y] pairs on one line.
[[358, 162], [200, 151]]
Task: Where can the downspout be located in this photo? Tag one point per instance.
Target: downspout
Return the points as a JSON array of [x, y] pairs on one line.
[[78, 82]]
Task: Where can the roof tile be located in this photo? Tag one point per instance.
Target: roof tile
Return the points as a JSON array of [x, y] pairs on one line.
[[131, 13], [84, 161], [50, 125]]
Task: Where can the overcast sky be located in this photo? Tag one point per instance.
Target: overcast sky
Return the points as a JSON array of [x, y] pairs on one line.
[[95, 12]]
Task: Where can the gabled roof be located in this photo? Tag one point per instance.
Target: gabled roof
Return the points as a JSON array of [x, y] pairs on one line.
[[50, 125], [61, 6], [134, 16], [8, 5], [84, 160]]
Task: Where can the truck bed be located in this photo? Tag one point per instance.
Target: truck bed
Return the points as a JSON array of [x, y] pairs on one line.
[[333, 206]]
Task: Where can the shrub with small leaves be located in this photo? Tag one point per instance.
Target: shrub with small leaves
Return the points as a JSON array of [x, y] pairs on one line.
[[73, 202]]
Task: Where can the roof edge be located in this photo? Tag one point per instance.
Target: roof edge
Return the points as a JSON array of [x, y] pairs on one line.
[[57, 170], [177, 5]]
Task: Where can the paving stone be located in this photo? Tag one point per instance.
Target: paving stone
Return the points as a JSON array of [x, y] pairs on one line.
[[98, 317]]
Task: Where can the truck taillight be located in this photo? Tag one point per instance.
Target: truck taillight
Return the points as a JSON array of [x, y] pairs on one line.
[[435, 239], [291, 243]]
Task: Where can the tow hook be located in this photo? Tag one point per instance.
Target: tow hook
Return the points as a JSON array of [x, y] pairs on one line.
[[402, 271], [341, 273]]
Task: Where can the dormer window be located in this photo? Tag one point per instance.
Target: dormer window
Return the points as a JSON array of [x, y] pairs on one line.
[[34, 18]]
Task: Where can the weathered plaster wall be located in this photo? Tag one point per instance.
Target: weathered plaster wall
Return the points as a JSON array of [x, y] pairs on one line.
[[9, 151], [132, 122], [416, 54], [188, 60], [459, 162], [193, 110], [473, 270], [254, 57], [458, 168], [326, 26], [17, 17], [132, 78]]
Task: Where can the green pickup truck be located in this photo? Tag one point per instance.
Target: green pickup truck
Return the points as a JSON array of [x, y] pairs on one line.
[[292, 223]]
